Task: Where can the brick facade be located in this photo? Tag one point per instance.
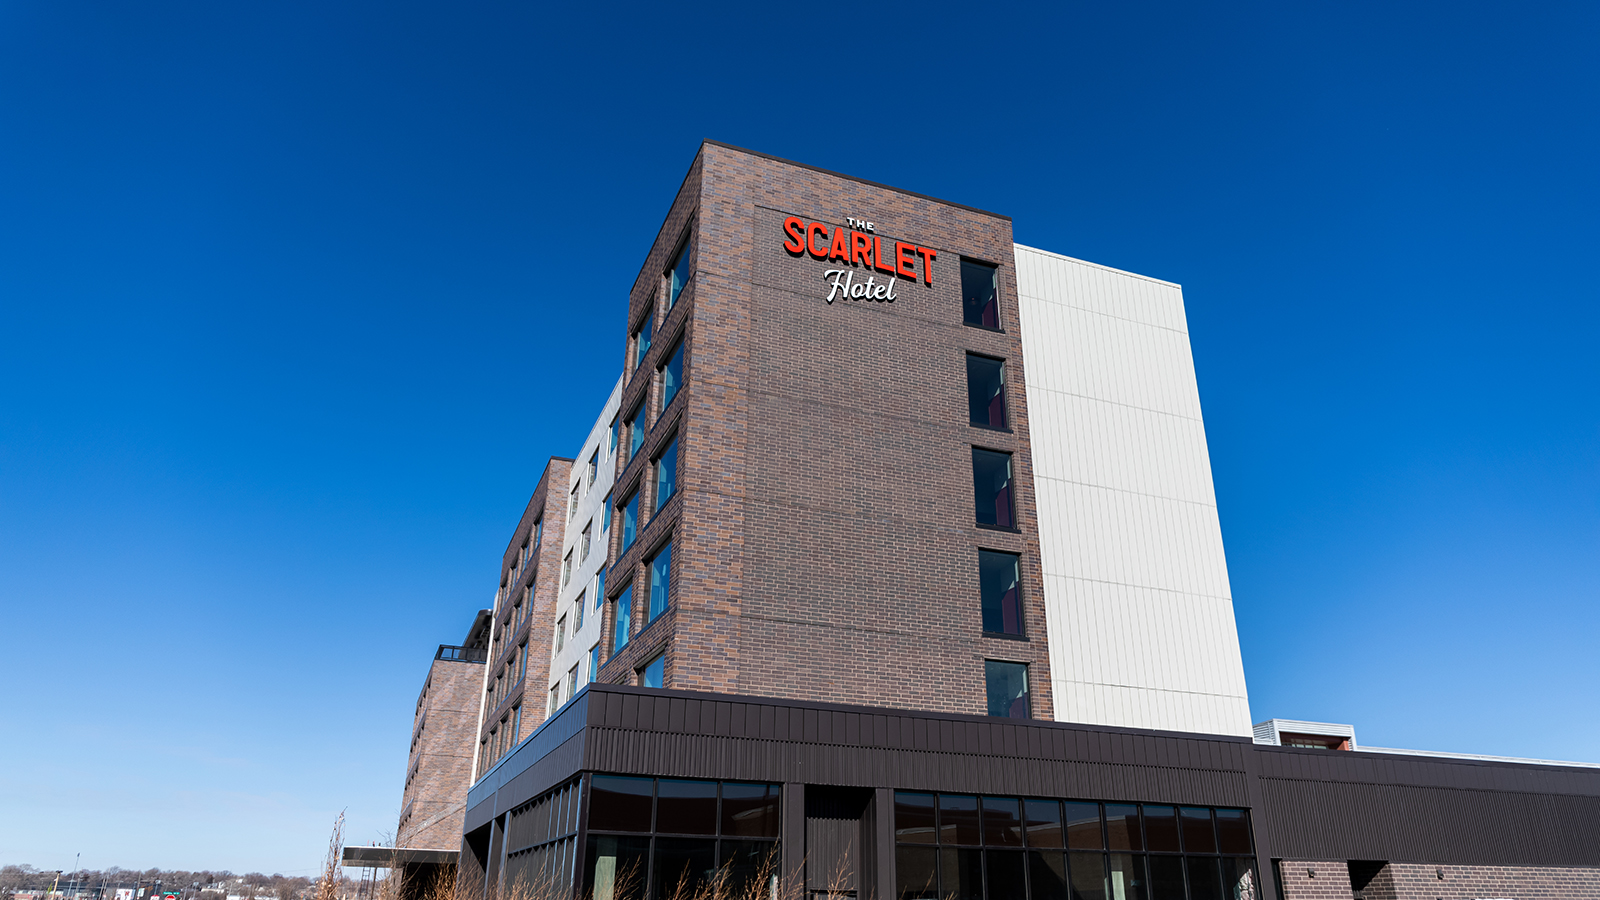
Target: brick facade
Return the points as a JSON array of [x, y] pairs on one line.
[[1417, 881], [825, 545], [440, 762], [531, 635]]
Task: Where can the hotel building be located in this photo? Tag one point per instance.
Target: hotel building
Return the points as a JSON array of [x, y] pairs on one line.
[[893, 560]]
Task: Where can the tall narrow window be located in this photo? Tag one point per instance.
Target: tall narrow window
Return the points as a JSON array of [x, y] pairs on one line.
[[623, 619], [986, 391], [672, 377], [572, 501], [538, 532], [1002, 602], [522, 670], [561, 633], [594, 661], [516, 723], [680, 271], [599, 587], [641, 338], [594, 469], [651, 675], [667, 473], [611, 445], [636, 431], [991, 488], [555, 700], [630, 521], [605, 515], [583, 543], [660, 581], [980, 294], [577, 615], [1007, 684], [566, 569], [572, 681]]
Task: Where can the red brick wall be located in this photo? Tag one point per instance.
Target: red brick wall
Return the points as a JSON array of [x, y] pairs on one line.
[[1415, 881], [825, 544], [440, 763]]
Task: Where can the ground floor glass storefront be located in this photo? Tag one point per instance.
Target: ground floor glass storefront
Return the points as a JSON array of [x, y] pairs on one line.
[[667, 837], [966, 847]]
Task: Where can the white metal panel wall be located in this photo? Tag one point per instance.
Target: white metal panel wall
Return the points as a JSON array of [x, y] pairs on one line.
[[1138, 606]]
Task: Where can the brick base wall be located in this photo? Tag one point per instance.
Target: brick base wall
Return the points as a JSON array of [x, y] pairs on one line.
[[1414, 881]]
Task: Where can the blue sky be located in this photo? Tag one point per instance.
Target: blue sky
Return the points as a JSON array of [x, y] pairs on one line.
[[295, 299]]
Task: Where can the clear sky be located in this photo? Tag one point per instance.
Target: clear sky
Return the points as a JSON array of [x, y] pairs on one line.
[[295, 299]]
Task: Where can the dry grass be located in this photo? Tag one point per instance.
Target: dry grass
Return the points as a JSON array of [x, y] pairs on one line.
[[763, 883], [332, 871]]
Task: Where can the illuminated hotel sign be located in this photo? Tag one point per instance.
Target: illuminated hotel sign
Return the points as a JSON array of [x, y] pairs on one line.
[[864, 252]]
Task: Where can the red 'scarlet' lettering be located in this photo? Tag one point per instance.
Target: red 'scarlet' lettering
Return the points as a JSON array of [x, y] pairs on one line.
[[856, 248]]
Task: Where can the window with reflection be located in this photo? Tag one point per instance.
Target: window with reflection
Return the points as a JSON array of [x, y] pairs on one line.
[[630, 521], [662, 838], [1009, 848], [641, 337], [636, 430], [678, 275], [622, 620], [991, 488], [986, 391], [667, 473], [672, 377], [980, 294], [660, 582], [1006, 686], [1000, 599], [541, 840], [653, 673]]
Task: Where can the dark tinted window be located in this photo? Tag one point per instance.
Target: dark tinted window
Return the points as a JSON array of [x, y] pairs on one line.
[[617, 866], [1083, 826], [991, 487], [1088, 872], [750, 810], [686, 807], [960, 874], [1233, 831], [1006, 684], [1122, 827], [1002, 602], [612, 446], [1125, 872], [747, 862], [1047, 875], [667, 473], [1044, 822], [1203, 881], [986, 391], [913, 818], [620, 804], [683, 866], [636, 429], [980, 301], [680, 271], [1003, 874], [916, 874], [1002, 823], [1197, 834], [1161, 828], [958, 819], [1239, 879], [672, 377], [1166, 875]]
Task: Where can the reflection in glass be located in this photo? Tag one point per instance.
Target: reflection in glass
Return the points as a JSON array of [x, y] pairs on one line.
[[1002, 873], [986, 391], [1006, 684], [624, 620], [913, 818], [617, 867], [1083, 826], [686, 807], [997, 585], [620, 804], [1161, 828], [672, 377], [960, 874], [1233, 831], [958, 819], [991, 488], [1239, 880], [1044, 822], [1088, 875], [1203, 881], [683, 866], [1047, 875], [1197, 834], [916, 875], [1122, 827], [1125, 877], [1166, 875], [1002, 826], [750, 810], [979, 295]]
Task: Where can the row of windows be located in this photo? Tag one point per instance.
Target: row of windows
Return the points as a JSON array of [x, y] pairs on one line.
[[951, 873], [671, 837], [993, 500], [502, 736]]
